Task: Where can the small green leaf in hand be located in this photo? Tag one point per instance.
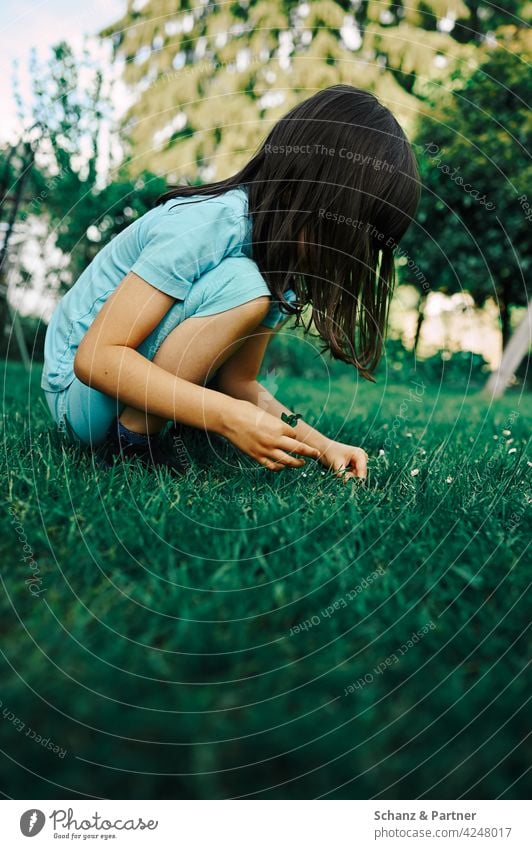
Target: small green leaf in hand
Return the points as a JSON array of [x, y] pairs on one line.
[[291, 419]]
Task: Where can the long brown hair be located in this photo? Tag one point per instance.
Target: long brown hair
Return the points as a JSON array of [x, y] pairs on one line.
[[331, 191]]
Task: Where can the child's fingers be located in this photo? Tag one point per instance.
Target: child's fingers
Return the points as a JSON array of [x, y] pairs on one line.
[[288, 443], [271, 464], [287, 459], [351, 472], [351, 475], [361, 464]]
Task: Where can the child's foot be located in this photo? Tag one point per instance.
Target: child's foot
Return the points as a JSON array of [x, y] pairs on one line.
[[152, 451], [195, 436]]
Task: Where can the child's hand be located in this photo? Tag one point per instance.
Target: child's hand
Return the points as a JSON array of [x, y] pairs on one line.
[[265, 438], [340, 457]]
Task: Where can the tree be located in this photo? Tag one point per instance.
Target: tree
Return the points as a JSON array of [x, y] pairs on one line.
[[45, 172], [16, 166], [206, 76], [474, 218], [58, 171], [87, 197], [72, 104]]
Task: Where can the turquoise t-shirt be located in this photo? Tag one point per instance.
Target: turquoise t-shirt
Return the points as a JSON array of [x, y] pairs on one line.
[[170, 247]]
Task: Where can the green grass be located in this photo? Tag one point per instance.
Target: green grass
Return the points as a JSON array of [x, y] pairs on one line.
[[162, 654]]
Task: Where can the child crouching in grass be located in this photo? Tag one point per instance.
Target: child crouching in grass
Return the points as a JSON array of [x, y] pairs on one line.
[[171, 320]]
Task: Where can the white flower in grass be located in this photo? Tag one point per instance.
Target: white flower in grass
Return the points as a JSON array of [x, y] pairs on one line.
[[414, 472], [506, 432], [381, 452], [512, 450], [449, 479]]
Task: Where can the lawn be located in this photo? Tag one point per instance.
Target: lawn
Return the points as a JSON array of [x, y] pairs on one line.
[[240, 634]]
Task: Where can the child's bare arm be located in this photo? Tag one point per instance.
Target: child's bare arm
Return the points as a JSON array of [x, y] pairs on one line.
[[107, 360], [334, 455], [237, 377]]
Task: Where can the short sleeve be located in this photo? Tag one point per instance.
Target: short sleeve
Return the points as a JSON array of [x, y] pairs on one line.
[[275, 316], [235, 281], [185, 239]]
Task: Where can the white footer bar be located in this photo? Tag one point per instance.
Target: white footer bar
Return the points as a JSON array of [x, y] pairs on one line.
[[267, 824]]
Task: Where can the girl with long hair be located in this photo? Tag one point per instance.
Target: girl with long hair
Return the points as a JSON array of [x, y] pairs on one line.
[[171, 320]]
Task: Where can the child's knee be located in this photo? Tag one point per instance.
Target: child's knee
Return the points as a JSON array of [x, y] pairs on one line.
[[88, 413]]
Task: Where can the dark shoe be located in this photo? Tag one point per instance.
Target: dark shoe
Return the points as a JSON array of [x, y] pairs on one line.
[[201, 439], [158, 452]]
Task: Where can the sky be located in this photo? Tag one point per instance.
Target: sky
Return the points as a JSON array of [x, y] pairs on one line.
[[40, 23]]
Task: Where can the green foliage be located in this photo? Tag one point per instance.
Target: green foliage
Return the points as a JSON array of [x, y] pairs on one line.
[[474, 234], [64, 119], [166, 656], [459, 370], [299, 356], [8, 170], [67, 124], [100, 214], [247, 63]]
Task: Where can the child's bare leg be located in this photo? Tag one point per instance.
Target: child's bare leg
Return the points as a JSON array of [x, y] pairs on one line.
[[196, 349]]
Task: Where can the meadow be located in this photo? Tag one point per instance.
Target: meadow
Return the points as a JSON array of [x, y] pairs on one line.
[[236, 633]]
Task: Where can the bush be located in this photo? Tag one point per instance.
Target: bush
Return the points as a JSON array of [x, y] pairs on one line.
[[298, 355]]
